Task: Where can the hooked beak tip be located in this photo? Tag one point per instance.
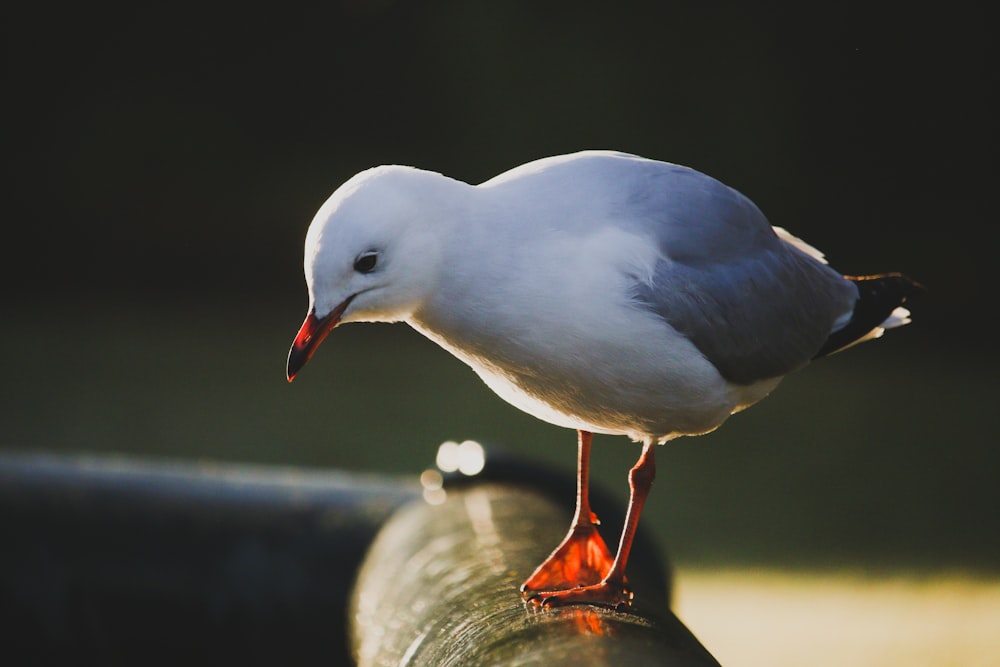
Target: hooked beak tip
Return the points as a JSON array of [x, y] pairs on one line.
[[297, 358], [311, 334], [303, 346]]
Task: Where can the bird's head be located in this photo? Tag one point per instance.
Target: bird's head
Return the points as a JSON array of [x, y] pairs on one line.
[[371, 253]]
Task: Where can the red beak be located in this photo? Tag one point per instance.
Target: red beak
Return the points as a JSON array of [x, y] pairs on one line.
[[311, 334]]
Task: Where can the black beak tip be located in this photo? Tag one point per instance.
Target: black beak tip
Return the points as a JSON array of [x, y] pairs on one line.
[[296, 360]]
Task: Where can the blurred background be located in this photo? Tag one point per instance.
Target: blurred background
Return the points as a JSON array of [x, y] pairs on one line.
[[164, 164]]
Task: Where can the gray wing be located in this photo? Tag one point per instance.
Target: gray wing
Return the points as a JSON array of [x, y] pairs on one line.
[[756, 306]]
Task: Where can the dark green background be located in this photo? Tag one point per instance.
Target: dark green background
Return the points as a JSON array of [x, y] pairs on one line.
[[163, 164]]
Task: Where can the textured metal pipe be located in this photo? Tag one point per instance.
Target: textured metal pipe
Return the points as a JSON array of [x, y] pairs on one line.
[[118, 561], [439, 588]]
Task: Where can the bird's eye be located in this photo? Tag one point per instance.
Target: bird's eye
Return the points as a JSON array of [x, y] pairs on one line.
[[366, 262]]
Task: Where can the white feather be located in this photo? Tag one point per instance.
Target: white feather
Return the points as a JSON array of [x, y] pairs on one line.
[[790, 238]]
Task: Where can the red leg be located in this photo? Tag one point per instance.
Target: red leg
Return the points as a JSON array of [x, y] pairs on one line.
[[583, 558], [611, 590]]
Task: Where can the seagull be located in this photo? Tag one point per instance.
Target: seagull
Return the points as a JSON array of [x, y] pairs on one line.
[[598, 291]]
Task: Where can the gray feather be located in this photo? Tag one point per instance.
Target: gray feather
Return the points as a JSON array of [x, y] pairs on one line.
[[752, 303]]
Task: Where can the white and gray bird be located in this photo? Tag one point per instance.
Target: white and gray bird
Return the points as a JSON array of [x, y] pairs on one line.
[[597, 291]]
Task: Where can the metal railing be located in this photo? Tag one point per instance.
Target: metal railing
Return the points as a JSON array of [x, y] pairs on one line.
[[119, 561]]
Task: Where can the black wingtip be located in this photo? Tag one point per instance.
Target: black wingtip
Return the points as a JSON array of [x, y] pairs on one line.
[[885, 290], [878, 296]]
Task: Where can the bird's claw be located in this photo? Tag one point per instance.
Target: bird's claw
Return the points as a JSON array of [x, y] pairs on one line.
[[602, 594]]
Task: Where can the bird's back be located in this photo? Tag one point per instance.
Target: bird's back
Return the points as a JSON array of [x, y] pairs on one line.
[[620, 289], [756, 304]]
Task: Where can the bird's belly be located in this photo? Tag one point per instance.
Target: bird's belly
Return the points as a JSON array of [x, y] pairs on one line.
[[652, 385], [641, 405]]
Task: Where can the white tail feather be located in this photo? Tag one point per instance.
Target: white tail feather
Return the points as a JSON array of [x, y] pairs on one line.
[[897, 318]]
